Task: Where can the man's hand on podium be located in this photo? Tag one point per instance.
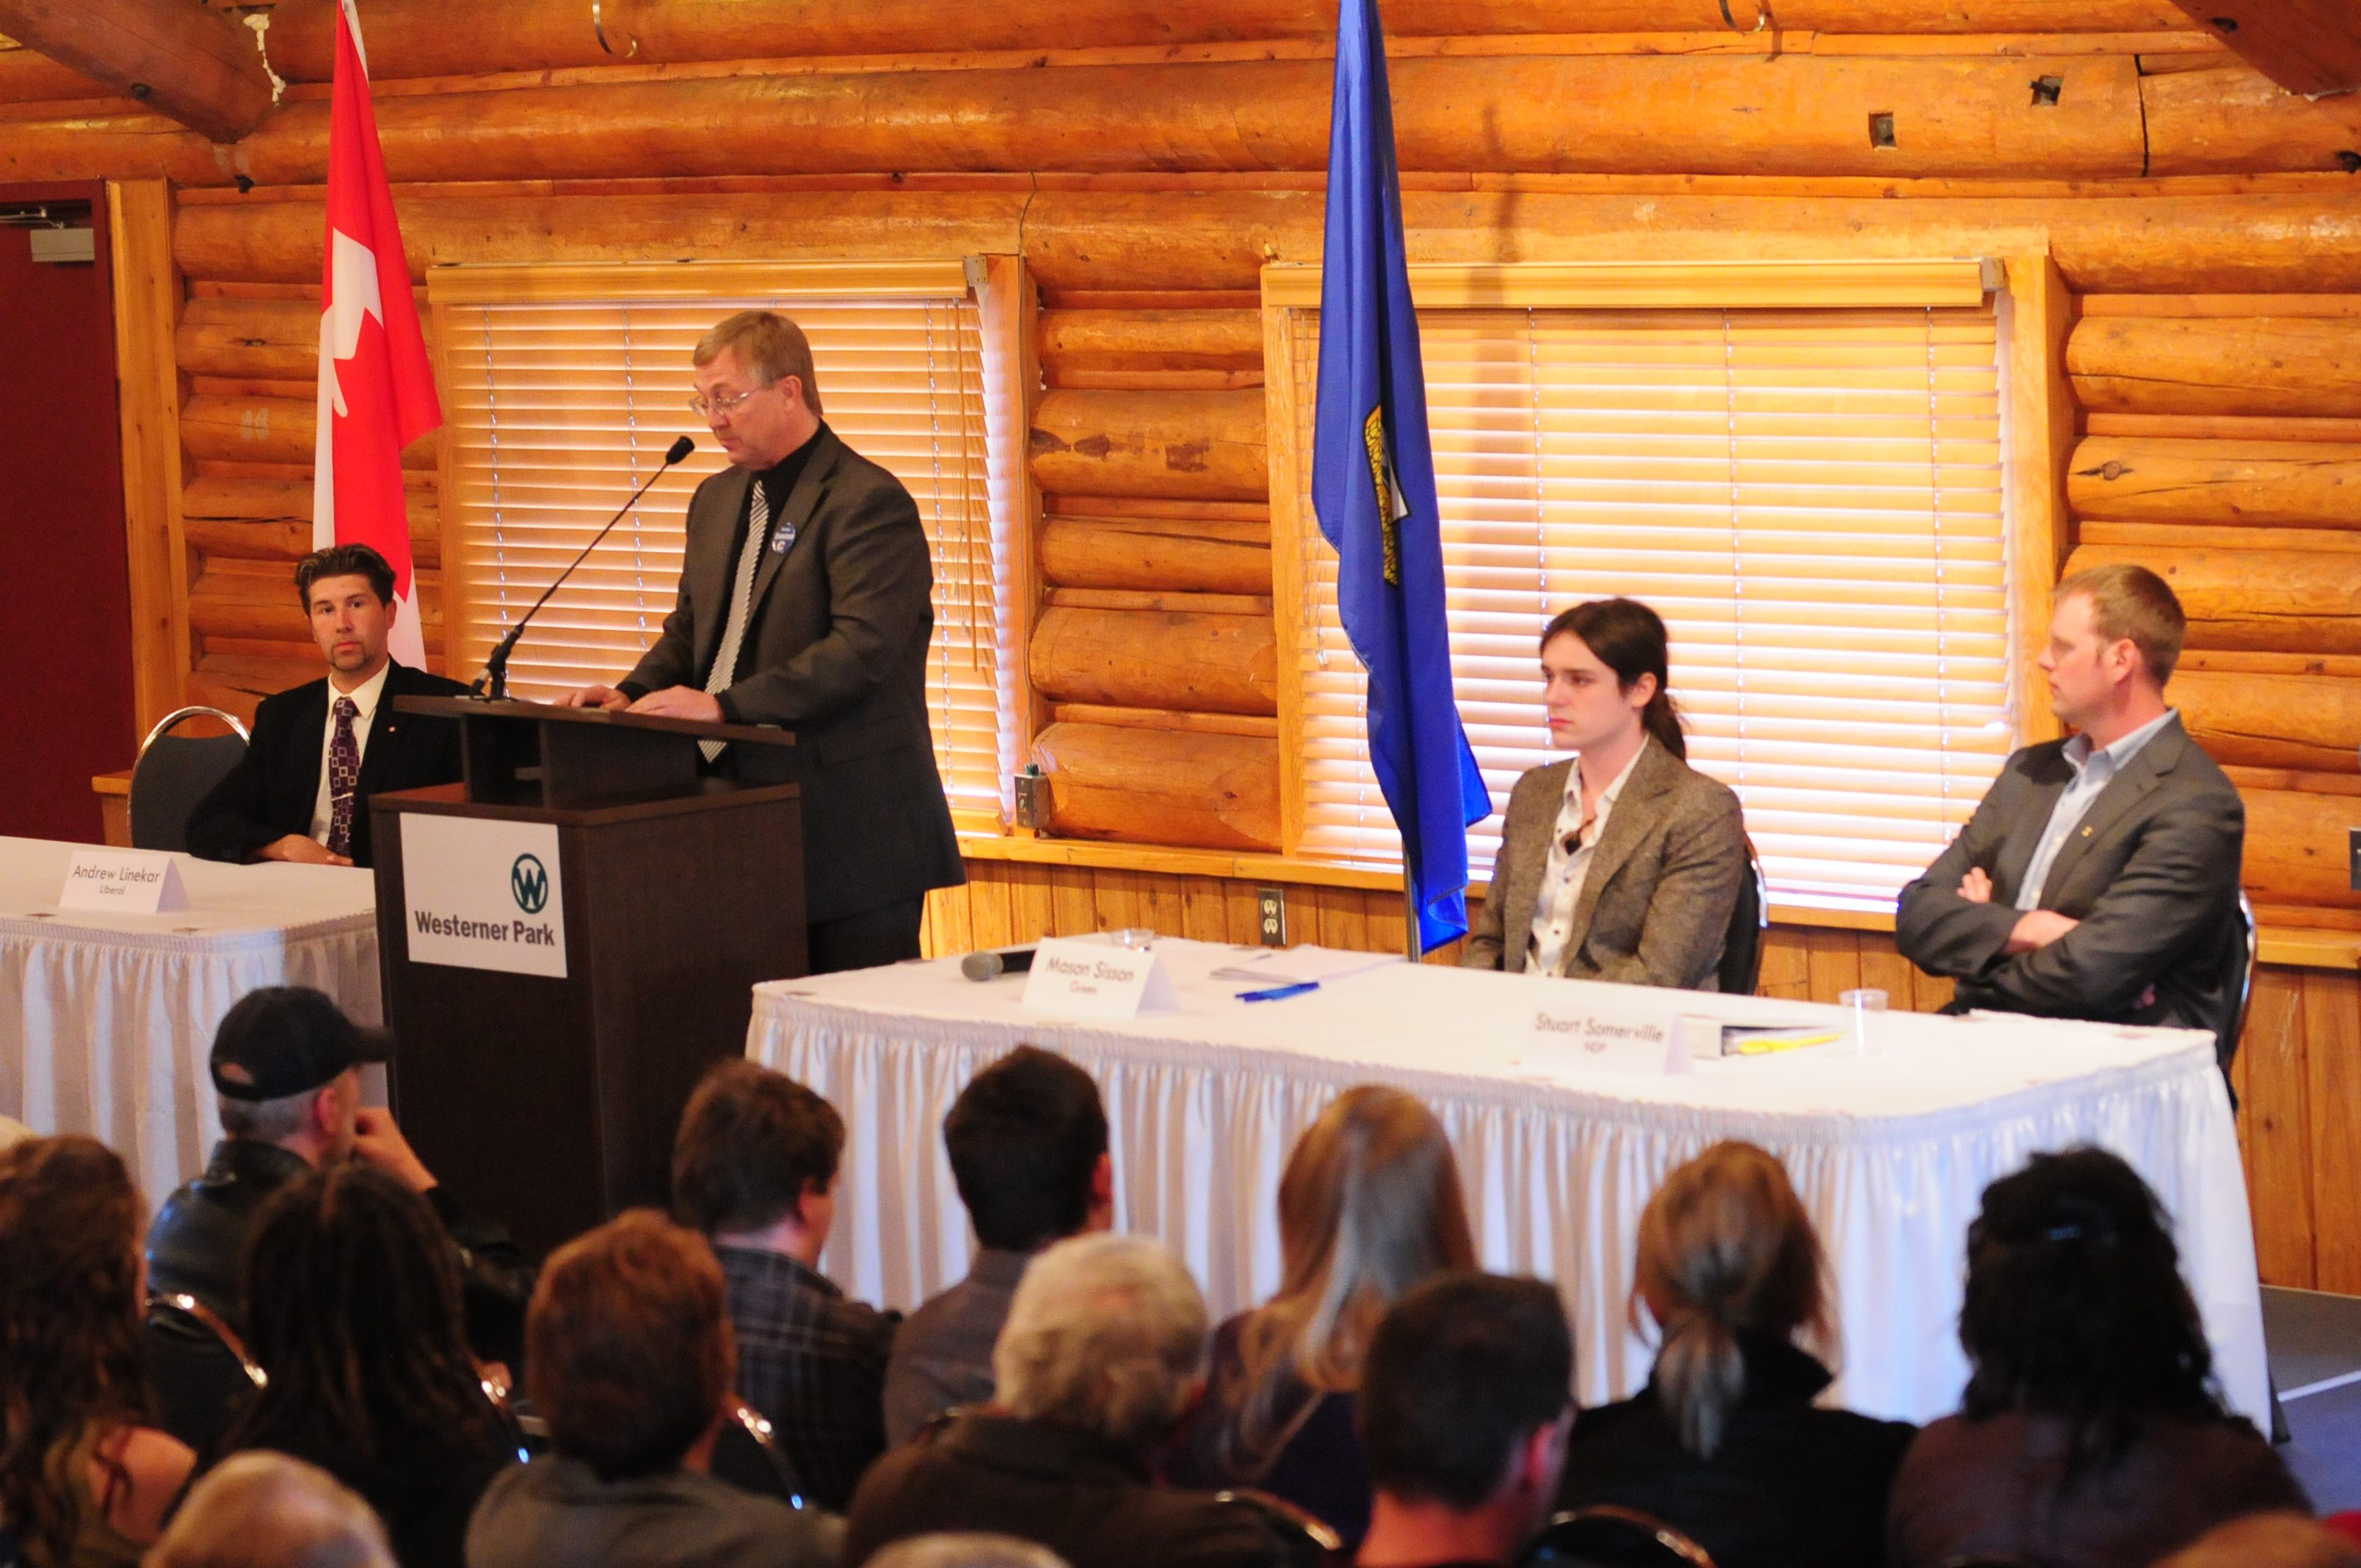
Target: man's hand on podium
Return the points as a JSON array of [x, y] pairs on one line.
[[594, 696], [302, 850], [680, 702]]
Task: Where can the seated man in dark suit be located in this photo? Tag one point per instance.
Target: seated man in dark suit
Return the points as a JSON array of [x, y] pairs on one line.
[[1103, 1351], [2099, 877], [301, 793]]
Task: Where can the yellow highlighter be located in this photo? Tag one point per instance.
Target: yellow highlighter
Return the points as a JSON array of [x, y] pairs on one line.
[[1764, 1045]]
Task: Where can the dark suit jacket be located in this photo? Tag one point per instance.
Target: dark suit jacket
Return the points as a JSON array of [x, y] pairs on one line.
[[2152, 874], [271, 791], [1663, 879], [839, 630]]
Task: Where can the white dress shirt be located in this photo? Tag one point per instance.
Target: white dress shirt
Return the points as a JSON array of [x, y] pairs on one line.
[[364, 697], [2093, 771], [1571, 843]]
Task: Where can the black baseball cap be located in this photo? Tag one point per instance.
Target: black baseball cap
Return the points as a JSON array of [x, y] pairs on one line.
[[286, 1039]]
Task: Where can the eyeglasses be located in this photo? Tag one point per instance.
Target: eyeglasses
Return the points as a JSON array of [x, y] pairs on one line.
[[722, 408]]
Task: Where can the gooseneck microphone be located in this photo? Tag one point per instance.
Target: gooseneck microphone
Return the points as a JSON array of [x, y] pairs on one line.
[[992, 964], [492, 686]]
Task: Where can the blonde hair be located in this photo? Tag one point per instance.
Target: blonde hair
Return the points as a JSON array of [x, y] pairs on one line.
[[2130, 603], [263, 1509], [770, 343], [1106, 1333], [1724, 1249], [1369, 1206]]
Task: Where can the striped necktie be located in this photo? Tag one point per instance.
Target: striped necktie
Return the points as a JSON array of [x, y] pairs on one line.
[[741, 604]]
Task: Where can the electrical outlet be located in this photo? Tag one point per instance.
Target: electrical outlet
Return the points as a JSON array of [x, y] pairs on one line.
[[1270, 912]]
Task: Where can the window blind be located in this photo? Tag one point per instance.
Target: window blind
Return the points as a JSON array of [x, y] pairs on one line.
[[1811, 499], [557, 409]]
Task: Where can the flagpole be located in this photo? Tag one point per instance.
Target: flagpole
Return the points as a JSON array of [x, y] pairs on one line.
[[1410, 919]]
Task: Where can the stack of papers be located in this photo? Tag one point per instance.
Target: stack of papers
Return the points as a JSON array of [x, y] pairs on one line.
[[1302, 965]]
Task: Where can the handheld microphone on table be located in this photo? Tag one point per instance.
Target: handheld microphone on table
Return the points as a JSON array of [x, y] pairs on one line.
[[992, 964], [492, 686]]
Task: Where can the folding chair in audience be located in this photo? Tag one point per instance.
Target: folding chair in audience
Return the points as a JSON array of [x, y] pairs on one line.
[[748, 1456], [1308, 1540], [1605, 1536], [198, 1366]]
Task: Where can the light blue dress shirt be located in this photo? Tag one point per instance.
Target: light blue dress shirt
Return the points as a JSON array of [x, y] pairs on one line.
[[2093, 771]]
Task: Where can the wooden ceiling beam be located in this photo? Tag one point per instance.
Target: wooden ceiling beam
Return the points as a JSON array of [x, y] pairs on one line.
[[179, 58], [2306, 46]]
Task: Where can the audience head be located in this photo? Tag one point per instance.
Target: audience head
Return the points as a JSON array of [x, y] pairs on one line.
[[1606, 662], [1466, 1396], [69, 1309], [2114, 635], [964, 1548], [1725, 1250], [2075, 1305], [354, 1311], [756, 1148], [263, 1509], [1028, 1139], [627, 1349], [286, 1065], [2267, 1541], [1106, 1333]]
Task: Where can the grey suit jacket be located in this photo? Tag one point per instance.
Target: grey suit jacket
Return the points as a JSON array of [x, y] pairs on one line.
[[2152, 874], [839, 630], [1663, 881]]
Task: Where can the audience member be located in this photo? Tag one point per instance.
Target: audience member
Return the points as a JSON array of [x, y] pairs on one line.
[[267, 1510], [354, 1315], [1101, 1355], [286, 1066], [1368, 1206], [2091, 1434], [84, 1480], [2267, 1541], [970, 1549], [13, 1132], [629, 1359], [1725, 1443], [1464, 1407], [754, 1170], [1028, 1139]]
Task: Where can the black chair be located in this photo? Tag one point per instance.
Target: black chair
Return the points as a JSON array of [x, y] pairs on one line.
[[198, 1368], [1741, 950], [748, 1456], [2237, 980], [1605, 1536], [174, 772], [1306, 1539]]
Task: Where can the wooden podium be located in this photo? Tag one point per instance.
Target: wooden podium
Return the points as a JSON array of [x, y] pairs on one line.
[[554, 1018]]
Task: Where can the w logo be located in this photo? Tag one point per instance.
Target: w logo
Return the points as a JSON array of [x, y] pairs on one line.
[[528, 881]]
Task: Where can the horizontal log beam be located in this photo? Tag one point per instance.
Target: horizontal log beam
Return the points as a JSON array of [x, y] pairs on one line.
[[249, 338], [2304, 46], [28, 76], [2291, 602], [268, 429], [259, 499], [447, 37], [2300, 366], [2310, 722], [1783, 115], [1217, 663], [2287, 483], [1190, 445], [1080, 554], [1151, 340], [2235, 122], [129, 142], [249, 601], [2296, 848], [190, 62], [1154, 787]]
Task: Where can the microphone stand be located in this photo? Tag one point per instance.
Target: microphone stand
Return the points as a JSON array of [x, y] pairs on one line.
[[492, 686]]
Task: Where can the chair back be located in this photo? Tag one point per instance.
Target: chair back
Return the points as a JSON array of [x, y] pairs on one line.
[[1306, 1539], [1605, 1536], [2236, 981], [1741, 949], [748, 1456], [174, 772], [198, 1368]]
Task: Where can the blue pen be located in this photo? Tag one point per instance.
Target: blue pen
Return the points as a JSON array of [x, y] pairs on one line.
[[1275, 991]]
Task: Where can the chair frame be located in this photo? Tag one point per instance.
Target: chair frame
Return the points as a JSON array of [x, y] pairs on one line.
[[1671, 1539], [162, 728], [205, 1318]]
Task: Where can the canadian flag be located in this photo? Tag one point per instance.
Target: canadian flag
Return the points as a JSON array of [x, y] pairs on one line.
[[377, 389]]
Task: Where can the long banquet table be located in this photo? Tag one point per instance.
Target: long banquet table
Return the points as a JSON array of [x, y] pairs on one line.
[[1890, 1151], [106, 1019]]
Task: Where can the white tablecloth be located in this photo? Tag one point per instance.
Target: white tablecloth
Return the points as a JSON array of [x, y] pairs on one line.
[[1890, 1151], [107, 1020]]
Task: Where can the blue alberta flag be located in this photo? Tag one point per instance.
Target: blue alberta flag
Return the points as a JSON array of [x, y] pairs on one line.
[[1373, 490]]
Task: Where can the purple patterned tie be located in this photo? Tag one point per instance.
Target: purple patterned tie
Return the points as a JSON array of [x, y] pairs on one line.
[[344, 773]]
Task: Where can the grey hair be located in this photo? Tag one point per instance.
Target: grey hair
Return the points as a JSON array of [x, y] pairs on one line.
[[267, 1120], [261, 1509], [965, 1549], [1106, 1333]]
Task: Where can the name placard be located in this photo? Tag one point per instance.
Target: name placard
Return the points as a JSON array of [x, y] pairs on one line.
[[121, 881], [1631, 1045], [483, 895], [1079, 979]]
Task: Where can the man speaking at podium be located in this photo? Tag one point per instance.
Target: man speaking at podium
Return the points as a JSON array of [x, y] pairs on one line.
[[806, 601]]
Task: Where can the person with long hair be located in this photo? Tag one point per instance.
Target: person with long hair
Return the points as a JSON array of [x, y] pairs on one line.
[[1724, 1442], [1369, 1206], [353, 1311], [1621, 863], [2091, 1434], [85, 1480]]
